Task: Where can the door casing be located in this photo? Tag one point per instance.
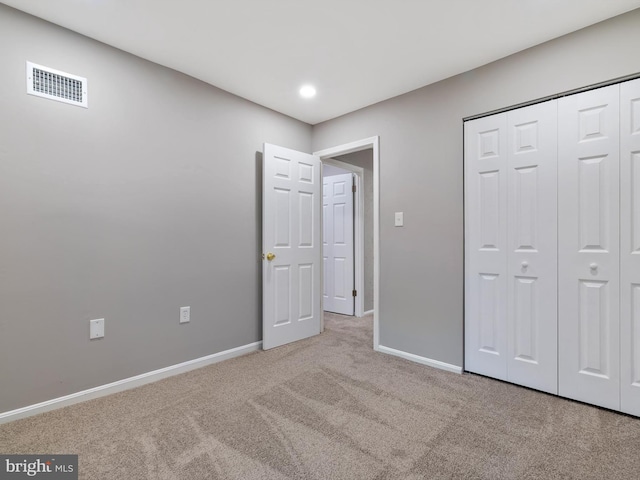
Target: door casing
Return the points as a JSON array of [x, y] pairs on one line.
[[326, 157]]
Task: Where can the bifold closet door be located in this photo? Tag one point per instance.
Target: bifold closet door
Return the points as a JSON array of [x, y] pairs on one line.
[[532, 247], [486, 246], [630, 247], [511, 290], [588, 242]]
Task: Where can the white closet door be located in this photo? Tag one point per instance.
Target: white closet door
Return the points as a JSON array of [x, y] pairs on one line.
[[630, 247], [532, 290], [486, 246], [589, 261]]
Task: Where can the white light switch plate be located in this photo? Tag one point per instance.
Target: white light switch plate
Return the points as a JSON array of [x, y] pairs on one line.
[[399, 219], [185, 314], [96, 328]]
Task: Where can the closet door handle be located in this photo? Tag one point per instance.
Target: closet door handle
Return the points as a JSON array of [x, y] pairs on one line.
[[593, 267], [525, 264]]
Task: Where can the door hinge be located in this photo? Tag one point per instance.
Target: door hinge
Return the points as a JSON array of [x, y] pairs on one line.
[[353, 188], [355, 293]]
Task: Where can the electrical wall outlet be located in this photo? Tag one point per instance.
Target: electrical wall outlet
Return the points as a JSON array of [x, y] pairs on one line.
[[185, 314], [96, 328]]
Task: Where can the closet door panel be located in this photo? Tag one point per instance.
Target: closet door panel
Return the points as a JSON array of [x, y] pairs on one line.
[[486, 246], [532, 247], [630, 247], [588, 247]]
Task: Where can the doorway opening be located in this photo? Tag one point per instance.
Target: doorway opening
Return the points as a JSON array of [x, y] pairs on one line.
[[361, 160]]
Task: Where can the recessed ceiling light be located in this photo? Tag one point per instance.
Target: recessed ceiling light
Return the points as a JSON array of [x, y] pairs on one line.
[[307, 91]]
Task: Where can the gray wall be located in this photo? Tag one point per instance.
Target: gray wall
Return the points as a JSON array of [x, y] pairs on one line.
[[364, 160], [421, 157], [147, 201]]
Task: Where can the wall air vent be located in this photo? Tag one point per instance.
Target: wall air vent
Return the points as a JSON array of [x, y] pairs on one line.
[[55, 85]]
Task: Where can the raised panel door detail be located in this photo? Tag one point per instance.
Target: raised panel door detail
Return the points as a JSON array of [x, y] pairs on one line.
[[283, 168], [635, 116], [305, 172], [594, 204], [635, 203], [306, 220], [339, 266], [594, 324], [592, 123], [488, 315], [339, 230], [526, 137], [526, 319], [282, 295], [489, 144], [283, 217], [325, 225], [635, 335], [489, 210], [339, 188], [325, 279], [526, 208], [305, 291]]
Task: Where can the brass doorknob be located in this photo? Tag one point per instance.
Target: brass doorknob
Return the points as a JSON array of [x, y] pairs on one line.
[[271, 256]]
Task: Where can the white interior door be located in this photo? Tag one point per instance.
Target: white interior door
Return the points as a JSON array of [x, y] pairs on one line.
[[532, 290], [337, 243], [588, 276], [486, 246], [630, 247], [291, 244]]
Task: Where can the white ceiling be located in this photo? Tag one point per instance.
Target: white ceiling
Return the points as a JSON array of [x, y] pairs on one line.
[[356, 52]]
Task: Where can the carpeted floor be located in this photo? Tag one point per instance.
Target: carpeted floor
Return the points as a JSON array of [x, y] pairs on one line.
[[330, 408]]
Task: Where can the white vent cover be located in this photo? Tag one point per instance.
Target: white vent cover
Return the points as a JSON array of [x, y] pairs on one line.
[[55, 85]]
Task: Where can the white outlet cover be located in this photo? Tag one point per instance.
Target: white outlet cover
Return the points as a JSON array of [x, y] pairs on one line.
[[399, 219], [96, 328], [185, 314]]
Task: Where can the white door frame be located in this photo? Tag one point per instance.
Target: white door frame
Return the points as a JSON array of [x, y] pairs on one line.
[[358, 224], [326, 156]]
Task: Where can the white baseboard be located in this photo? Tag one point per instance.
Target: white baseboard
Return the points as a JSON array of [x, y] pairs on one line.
[[418, 359], [127, 383], [368, 312]]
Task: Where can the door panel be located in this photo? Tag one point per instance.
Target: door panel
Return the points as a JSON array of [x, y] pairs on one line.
[[588, 239], [532, 244], [630, 247], [291, 231], [486, 246], [338, 244]]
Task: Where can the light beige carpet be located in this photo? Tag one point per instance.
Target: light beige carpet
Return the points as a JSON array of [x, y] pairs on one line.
[[331, 408]]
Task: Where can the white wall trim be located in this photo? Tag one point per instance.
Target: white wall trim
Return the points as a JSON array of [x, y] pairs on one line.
[[127, 383], [358, 239], [418, 359], [358, 145], [368, 312]]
